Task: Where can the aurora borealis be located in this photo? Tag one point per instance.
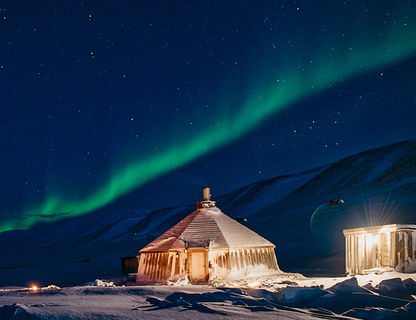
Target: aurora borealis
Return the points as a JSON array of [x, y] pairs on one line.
[[307, 52]]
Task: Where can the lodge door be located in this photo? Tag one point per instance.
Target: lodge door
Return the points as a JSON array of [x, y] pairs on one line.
[[198, 265]]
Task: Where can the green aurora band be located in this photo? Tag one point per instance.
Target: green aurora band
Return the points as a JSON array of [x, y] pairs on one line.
[[333, 65]]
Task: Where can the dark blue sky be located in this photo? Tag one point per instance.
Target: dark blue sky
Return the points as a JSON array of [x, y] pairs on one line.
[[90, 88]]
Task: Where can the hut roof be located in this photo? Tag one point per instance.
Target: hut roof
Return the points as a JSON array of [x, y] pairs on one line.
[[382, 228], [207, 227]]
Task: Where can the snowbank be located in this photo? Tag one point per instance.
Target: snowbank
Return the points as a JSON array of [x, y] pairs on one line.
[[101, 283], [282, 296]]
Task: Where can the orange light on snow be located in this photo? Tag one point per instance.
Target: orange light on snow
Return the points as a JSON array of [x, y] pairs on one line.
[[34, 288], [253, 284]]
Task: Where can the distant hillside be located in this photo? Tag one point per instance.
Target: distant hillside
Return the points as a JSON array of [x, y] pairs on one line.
[[378, 186]]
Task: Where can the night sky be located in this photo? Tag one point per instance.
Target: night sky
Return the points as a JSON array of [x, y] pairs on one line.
[[138, 105]]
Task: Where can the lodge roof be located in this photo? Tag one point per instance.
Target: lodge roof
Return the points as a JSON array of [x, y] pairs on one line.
[[208, 228]]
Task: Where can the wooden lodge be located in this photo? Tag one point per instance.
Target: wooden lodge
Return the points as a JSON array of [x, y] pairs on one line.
[[205, 245]]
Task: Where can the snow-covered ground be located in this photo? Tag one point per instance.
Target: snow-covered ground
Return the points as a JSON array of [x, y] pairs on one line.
[[389, 295], [188, 302]]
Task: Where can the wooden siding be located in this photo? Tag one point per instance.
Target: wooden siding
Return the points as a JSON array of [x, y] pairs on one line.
[[391, 246], [161, 266], [365, 251], [406, 250], [201, 265]]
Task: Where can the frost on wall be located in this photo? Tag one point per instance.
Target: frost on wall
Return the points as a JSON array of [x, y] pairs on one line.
[[406, 250], [239, 263]]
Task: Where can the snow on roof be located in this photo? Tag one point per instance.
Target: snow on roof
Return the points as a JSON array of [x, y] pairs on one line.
[[382, 228], [207, 227]]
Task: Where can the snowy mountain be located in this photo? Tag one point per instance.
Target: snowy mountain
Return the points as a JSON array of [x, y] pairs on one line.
[[378, 186]]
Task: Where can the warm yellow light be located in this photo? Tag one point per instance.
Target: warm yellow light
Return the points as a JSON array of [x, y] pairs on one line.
[[34, 288], [253, 284], [372, 240]]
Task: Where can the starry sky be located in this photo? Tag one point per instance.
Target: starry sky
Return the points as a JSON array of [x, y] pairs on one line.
[[135, 104]]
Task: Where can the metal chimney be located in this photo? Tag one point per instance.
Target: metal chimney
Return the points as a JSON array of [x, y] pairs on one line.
[[206, 194], [206, 199]]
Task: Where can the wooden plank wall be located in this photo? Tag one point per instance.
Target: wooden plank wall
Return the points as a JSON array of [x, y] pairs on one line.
[[161, 266], [406, 250], [174, 265], [360, 255]]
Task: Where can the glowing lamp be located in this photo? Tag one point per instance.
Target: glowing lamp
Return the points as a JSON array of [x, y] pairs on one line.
[[253, 284]]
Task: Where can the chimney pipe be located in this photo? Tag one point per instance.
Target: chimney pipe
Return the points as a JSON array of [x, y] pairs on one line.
[[206, 199], [206, 194]]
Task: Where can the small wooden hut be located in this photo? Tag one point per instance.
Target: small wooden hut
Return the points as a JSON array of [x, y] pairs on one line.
[[375, 248], [206, 245]]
